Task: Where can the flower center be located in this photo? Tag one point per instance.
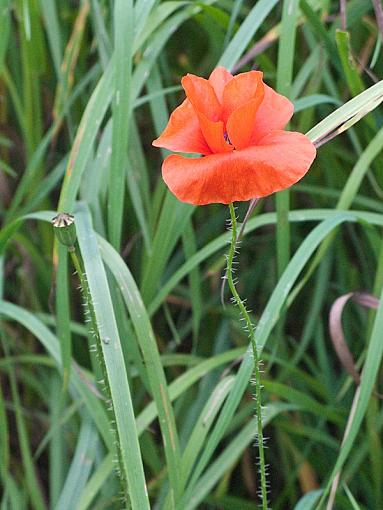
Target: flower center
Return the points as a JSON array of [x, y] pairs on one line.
[[226, 137]]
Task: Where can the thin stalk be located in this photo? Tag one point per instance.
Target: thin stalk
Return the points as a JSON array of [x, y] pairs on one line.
[[107, 392], [257, 371]]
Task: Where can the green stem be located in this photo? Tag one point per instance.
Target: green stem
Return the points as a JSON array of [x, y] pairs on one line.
[[257, 374], [106, 388]]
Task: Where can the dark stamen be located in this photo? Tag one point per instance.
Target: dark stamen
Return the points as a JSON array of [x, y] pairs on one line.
[[227, 139]]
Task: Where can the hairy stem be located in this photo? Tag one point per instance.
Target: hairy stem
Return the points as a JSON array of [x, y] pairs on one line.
[[106, 388], [257, 372]]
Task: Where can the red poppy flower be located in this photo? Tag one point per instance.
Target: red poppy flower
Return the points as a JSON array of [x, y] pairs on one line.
[[237, 124]]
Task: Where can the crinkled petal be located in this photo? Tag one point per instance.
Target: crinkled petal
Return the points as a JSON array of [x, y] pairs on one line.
[[274, 112], [202, 96], [218, 79], [277, 163], [240, 123], [213, 133], [183, 132], [240, 90]]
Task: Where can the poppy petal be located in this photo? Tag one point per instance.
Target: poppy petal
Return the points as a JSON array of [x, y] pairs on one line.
[[183, 132], [213, 133], [240, 124], [277, 163], [202, 96], [274, 112], [240, 90], [218, 79]]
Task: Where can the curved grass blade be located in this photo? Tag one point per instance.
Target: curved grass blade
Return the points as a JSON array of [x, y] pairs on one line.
[[85, 137], [314, 100], [155, 372], [156, 17], [114, 360], [347, 115], [246, 31], [369, 374]]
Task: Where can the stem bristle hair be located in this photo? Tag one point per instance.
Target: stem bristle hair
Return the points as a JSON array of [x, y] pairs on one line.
[[250, 330], [93, 329]]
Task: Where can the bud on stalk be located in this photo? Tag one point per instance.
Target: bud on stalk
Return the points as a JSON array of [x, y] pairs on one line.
[[65, 229]]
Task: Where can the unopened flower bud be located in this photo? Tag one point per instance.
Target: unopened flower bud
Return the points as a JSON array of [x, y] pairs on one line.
[[65, 229]]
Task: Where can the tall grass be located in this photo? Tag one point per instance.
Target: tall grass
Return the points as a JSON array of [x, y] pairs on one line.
[[84, 88]]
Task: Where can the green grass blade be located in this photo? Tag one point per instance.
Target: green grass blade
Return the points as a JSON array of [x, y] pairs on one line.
[[52, 25], [95, 483], [359, 171], [246, 31], [104, 45], [63, 313], [308, 501], [233, 18], [85, 137], [142, 10], [173, 220], [70, 60], [286, 47], [114, 361], [223, 463], [132, 178], [314, 100], [349, 113], [149, 349], [154, 46], [123, 42], [204, 423], [190, 248], [56, 443], [349, 65], [80, 468], [284, 79], [157, 16], [351, 498]]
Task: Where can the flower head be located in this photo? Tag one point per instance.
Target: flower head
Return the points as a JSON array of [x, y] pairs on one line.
[[236, 123]]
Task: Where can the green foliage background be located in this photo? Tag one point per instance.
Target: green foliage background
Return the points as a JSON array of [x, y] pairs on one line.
[[84, 89]]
